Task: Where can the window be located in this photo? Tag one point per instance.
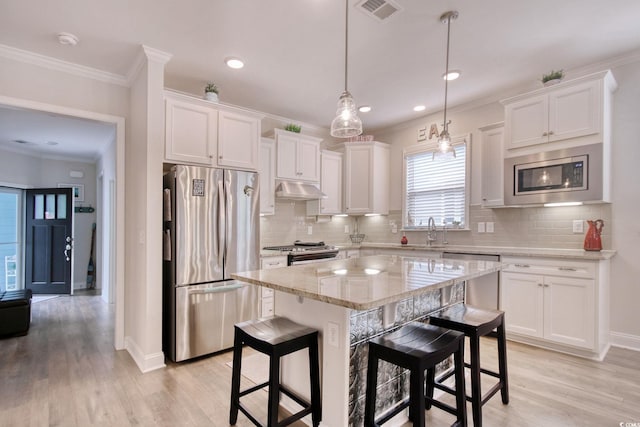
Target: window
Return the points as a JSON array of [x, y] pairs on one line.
[[10, 239], [437, 189]]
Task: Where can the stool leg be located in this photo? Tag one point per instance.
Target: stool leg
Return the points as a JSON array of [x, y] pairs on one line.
[[461, 398], [314, 373], [370, 399], [235, 378], [476, 393], [274, 390], [431, 379], [416, 396], [502, 363]]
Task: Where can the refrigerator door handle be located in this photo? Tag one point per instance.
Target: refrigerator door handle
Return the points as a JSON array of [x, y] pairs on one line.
[[222, 225], [216, 289]]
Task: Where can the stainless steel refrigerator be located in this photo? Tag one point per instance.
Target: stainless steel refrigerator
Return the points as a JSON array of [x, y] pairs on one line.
[[211, 229]]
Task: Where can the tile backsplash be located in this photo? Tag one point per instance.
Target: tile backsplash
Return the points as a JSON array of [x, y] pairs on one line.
[[535, 227]]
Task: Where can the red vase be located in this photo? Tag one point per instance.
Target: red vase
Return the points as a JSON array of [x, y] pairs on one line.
[[593, 240], [404, 240]]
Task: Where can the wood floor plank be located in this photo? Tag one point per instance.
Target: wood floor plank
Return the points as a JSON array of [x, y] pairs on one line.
[[66, 373]]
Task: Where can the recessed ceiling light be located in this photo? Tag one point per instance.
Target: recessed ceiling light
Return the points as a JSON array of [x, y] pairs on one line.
[[52, 143], [452, 75], [234, 63], [68, 39], [364, 109], [419, 108]]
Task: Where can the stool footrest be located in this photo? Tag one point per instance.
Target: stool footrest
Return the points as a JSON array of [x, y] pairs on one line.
[[248, 415], [496, 387], [443, 406], [252, 389], [393, 411]]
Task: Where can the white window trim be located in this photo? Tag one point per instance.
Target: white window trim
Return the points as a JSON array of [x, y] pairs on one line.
[[430, 147]]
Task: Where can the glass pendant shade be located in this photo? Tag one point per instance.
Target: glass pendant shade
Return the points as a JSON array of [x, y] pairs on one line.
[[445, 150], [347, 123]]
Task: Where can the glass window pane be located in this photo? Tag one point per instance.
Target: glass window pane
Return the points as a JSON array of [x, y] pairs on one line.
[[62, 206], [50, 210], [9, 234], [39, 207]]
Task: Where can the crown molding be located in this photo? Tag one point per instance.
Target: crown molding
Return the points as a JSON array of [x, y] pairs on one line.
[[59, 65]]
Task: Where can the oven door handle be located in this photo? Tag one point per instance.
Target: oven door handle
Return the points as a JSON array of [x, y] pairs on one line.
[[217, 289]]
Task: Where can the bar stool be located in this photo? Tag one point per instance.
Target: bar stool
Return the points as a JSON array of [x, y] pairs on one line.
[[276, 337], [416, 347], [474, 323]]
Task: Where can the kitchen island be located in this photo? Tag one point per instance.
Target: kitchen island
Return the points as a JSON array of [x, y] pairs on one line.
[[350, 301]]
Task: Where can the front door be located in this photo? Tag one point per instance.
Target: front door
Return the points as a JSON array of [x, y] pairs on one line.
[[48, 240]]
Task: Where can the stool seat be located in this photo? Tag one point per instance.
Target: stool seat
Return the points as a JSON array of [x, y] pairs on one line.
[[416, 347], [477, 322], [276, 337]]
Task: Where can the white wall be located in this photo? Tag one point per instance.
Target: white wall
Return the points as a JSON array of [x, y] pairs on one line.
[[27, 171], [105, 191]]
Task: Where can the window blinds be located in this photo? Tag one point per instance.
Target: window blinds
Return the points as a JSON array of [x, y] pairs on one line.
[[435, 188]]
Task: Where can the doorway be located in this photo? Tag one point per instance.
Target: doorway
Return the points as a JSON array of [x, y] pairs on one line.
[[48, 240], [10, 239]]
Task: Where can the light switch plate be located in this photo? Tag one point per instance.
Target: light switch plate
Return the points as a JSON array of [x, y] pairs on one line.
[[578, 226], [481, 227], [309, 230], [489, 227], [333, 334]]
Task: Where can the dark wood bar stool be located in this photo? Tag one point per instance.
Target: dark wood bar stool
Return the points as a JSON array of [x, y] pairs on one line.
[[474, 323], [276, 337], [416, 347]]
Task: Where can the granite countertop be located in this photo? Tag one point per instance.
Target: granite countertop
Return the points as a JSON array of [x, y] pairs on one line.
[[368, 282], [576, 254]]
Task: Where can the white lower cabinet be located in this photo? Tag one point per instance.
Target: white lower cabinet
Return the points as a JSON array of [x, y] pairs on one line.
[[557, 304], [267, 298]]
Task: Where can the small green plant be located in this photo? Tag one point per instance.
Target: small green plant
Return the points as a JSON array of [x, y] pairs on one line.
[[211, 87], [553, 75], [293, 128]]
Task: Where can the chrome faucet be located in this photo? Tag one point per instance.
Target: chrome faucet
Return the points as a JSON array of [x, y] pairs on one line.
[[431, 231]]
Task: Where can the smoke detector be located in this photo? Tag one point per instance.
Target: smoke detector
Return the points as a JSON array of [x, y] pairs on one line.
[[68, 39], [380, 10]]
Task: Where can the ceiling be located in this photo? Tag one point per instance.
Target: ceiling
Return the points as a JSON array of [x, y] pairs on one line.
[[294, 49]]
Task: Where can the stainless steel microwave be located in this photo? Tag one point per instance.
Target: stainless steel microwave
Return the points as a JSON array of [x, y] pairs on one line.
[[568, 175]]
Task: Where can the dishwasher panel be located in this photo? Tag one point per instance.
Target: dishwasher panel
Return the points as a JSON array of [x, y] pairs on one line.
[[484, 291]]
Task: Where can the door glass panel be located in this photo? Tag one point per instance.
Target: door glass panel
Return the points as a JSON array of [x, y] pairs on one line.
[[39, 207], [62, 206], [50, 210], [9, 233]]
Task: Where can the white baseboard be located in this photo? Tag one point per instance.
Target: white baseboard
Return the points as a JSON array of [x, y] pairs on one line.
[[619, 339], [146, 362]]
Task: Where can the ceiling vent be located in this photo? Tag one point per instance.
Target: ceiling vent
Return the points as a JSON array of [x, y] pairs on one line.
[[379, 9]]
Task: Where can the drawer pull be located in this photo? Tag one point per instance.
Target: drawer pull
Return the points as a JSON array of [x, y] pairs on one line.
[[567, 269], [522, 265]]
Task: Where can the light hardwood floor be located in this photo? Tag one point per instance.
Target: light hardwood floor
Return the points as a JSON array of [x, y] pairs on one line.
[[65, 372]]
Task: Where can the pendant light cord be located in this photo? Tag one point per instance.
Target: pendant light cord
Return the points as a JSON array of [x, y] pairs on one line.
[[446, 75], [346, 42]]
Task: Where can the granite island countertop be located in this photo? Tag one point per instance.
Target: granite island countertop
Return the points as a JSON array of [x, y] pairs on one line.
[[368, 282]]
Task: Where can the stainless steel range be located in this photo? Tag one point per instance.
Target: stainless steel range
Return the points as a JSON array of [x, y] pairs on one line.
[[305, 252]]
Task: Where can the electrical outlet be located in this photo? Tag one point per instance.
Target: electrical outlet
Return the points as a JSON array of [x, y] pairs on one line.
[[333, 334], [481, 227], [394, 228], [489, 227], [309, 230], [578, 226], [346, 229]]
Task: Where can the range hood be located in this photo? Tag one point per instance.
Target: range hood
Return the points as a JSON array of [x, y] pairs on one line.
[[298, 191]]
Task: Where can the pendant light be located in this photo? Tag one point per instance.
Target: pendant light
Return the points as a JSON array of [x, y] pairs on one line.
[[445, 149], [347, 123]]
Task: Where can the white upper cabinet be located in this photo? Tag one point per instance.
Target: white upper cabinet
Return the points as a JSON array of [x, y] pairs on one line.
[[577, 110], [492, 167], [267, 181], [191, 132], [200, 132], [298, 156], [238, 140], [366, 176], [330, 184]]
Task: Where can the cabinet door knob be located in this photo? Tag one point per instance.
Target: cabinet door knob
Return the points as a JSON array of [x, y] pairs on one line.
[[544, 134], [550, 132], [522, 265], [567, 269], [220, 157]]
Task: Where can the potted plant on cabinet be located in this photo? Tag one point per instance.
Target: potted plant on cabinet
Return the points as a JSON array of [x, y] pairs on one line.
[[552, 78], [293, 128], [211, 92]]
